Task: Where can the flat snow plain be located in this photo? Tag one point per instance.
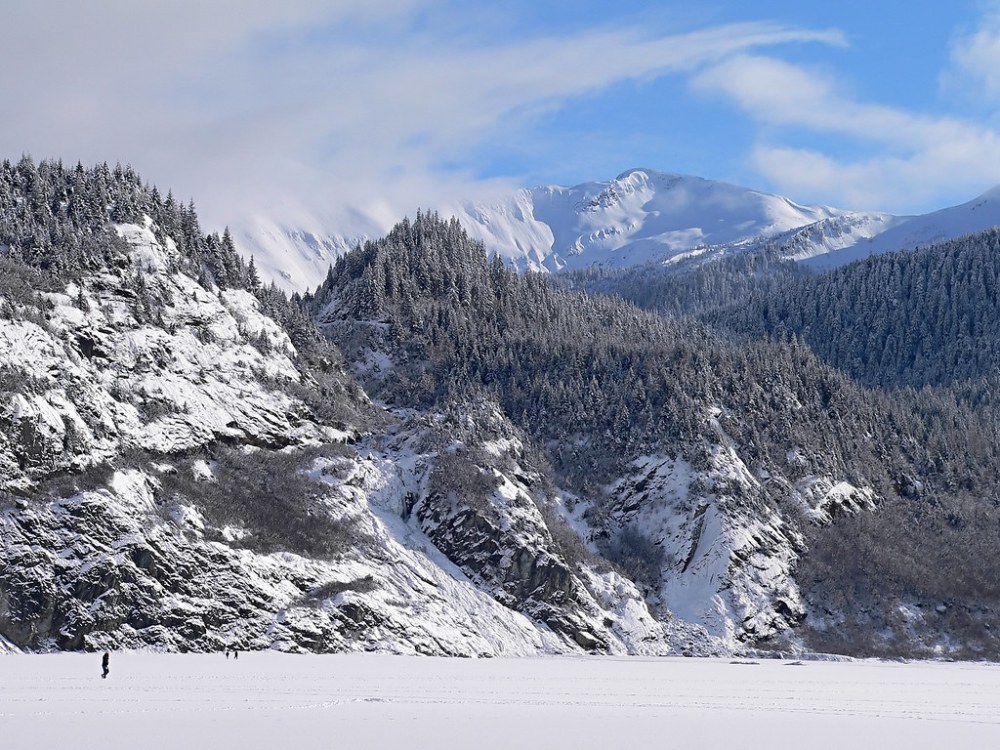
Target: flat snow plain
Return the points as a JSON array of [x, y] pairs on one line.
[[278, 701]]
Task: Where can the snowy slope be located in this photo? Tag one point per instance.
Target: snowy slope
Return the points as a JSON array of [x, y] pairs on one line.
[[295, 259], [729, 554], [909, 233], [838, 237], [107, 570], [639, 216], [643, 216]]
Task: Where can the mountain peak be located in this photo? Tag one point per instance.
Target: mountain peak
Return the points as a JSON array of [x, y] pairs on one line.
[[641, 174], [639, 216]]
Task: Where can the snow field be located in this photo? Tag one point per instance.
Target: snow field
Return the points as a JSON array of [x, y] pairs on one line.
[[271, 700]]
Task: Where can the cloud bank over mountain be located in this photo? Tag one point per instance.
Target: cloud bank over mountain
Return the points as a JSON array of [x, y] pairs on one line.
[[340, 118]]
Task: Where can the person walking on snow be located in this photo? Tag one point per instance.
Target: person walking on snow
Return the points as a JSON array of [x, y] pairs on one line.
[[104, 664]]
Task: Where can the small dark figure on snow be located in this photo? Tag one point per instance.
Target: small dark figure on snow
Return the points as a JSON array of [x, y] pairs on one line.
[[104, 665], [236, 654], [227, 653]]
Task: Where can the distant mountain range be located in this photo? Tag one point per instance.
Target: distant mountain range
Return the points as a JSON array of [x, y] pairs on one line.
[[639, 217]]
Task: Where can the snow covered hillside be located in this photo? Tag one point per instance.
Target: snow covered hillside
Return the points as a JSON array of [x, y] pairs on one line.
[[119, 527], [689, 502], [434, 454], [912, 232]]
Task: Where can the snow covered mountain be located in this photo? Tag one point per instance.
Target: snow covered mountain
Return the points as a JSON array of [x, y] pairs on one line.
[[639, 217], [120, 426], [295, 259], [183, 467], [643, 216], [185, 464]]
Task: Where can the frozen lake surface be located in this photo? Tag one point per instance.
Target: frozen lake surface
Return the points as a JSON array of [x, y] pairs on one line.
[[276, 701]]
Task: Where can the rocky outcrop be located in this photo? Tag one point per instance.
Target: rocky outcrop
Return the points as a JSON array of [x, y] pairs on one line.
[[473, 495], [498, 537], [729, 538]]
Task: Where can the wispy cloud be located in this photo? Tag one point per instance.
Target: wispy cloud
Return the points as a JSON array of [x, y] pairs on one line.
[[975, 58], [356, 111], [906, 158]]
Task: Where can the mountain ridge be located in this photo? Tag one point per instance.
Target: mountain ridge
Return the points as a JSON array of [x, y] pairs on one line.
[[641, 216], [628, 219]]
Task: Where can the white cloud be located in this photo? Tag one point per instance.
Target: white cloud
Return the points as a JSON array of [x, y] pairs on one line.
[[883, 182], [329, 108], [902, 158], [975, 58]]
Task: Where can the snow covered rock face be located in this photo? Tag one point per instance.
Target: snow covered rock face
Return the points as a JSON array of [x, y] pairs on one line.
[[147, 562], [489, 525], [141, 563], [727, 552], [727, 555], [123, 568], [94, 368], [470, 491]]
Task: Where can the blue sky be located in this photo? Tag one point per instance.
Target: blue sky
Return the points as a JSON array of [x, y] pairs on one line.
[[893, 54], [346, 115]]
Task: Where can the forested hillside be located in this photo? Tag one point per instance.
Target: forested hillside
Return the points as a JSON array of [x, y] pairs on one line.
[[599, 383], [920, 318], [928, 317], [598, 373], [688, 288]]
